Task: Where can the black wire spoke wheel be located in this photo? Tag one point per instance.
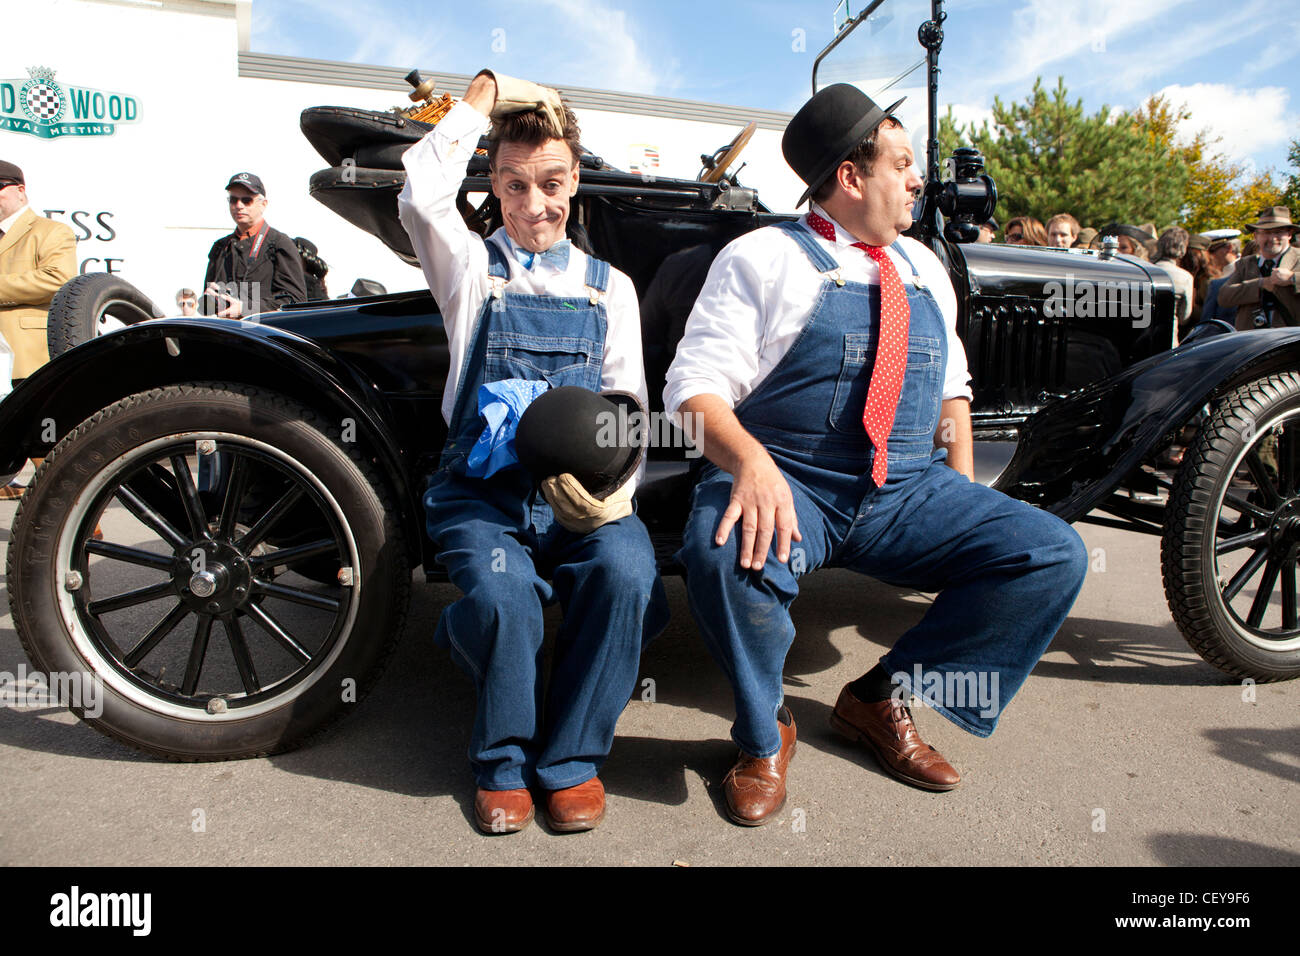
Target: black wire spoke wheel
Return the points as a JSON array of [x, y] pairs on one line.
[[216, 578], [248, 582], [1232, 534]]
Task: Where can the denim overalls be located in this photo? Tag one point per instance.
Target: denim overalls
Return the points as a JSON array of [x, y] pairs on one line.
[[1008, 572], [498, 540]]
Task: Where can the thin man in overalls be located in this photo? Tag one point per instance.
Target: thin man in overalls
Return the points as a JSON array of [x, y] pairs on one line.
[[822, 364], [526, 304]]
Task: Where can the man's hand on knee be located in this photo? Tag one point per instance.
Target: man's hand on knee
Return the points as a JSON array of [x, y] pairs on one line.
[[761, 501]]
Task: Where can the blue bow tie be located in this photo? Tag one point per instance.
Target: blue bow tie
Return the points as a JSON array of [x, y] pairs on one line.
[[558, 255]]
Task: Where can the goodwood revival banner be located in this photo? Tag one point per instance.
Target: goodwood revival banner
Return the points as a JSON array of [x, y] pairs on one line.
[[38, 106]]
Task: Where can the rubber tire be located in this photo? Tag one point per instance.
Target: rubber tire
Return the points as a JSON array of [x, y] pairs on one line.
[[76, 308], [305, 437], [1186, 552]]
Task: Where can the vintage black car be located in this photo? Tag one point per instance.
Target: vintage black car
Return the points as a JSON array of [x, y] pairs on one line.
[[273, 468]]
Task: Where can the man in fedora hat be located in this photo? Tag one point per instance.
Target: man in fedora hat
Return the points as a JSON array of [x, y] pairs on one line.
[[1265, 288], [523, 310], [822, 365], [37, 256]]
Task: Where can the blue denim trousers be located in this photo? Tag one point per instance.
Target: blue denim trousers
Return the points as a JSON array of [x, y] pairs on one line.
[[1007, 574], [499, 547]]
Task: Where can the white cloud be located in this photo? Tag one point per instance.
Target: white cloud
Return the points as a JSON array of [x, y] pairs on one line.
[[1048, 31], [1247, 121], [602, 39]]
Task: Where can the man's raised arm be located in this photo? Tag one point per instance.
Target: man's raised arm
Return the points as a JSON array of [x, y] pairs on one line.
[[435, 169]]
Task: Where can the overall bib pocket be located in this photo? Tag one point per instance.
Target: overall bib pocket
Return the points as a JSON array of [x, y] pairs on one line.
[[559, 360], [918, 404]]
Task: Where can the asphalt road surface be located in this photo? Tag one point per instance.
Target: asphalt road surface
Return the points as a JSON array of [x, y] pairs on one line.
[[1122, 748]]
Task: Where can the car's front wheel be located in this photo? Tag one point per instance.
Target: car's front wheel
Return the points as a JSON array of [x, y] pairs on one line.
[[1232, 533], [191, 619]]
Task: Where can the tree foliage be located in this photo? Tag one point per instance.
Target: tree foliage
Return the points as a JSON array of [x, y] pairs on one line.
[[1219, 192], [1048, 155]]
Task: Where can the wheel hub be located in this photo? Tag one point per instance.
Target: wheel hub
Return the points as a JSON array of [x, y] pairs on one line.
[[212, 577], [1284, 531]]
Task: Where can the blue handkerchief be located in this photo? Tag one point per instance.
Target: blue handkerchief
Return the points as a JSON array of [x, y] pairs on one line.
[[501, 404]]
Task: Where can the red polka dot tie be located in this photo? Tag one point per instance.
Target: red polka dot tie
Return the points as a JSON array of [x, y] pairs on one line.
[[891, 351]]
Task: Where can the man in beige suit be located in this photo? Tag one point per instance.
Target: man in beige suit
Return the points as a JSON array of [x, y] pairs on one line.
[[1265, 288], [37, 256]]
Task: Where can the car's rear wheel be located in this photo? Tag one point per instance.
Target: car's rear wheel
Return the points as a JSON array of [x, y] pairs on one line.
[[192, 616], [1232, 533]]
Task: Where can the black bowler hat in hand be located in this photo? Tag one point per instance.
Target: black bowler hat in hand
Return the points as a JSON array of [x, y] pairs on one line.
[[584, 433], [825, 130]]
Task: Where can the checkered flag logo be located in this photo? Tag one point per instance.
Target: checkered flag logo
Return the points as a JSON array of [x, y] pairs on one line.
[[42, 98], [43, 102]]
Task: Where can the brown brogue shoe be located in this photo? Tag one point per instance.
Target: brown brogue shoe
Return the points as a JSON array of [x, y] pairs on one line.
[[503, 811], [576, 808], [886, 728], [755, 787]]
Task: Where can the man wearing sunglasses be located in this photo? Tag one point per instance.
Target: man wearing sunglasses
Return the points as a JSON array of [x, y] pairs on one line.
[[255, 268]]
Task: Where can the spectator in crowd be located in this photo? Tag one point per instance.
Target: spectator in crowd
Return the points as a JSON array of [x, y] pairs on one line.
[[255, 268], [1025, 231], [1131, 239], [1265, 288], [1087, 238], [37, 256], [1062, 230], [187, 301], [1149, 240], [1224, 253], [314, 269], [1171, 247], [988, 230], [1196, 261]]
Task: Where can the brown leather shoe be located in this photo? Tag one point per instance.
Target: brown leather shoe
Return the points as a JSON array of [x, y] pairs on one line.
[[576, 808], [755, 787], [886, 728], [503, 811]]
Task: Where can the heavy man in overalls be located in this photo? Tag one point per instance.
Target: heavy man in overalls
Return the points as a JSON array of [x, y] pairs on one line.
[[526, 304], [822, 365]]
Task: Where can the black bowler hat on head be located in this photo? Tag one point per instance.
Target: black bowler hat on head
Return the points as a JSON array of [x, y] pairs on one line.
[[826, 129], [599, 438]]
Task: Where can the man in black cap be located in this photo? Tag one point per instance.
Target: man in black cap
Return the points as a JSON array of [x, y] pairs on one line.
[[1265, 288], [255, 268], [822, 366]]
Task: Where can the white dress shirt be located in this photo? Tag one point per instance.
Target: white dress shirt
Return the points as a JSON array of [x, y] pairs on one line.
[[8, 222], [758, 297], [455, 261]]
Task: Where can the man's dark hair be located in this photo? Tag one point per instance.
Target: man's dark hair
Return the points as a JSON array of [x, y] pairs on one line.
[[862, 156], [532, 129]]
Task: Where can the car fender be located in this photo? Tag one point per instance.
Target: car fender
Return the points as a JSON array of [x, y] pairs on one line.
[[1079, 448], [64, 392]]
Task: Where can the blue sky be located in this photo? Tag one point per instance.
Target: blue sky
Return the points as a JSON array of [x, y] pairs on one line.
[[1234, 63]]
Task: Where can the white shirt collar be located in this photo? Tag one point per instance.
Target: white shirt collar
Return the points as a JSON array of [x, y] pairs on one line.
[[7, 224], [842, 236]]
